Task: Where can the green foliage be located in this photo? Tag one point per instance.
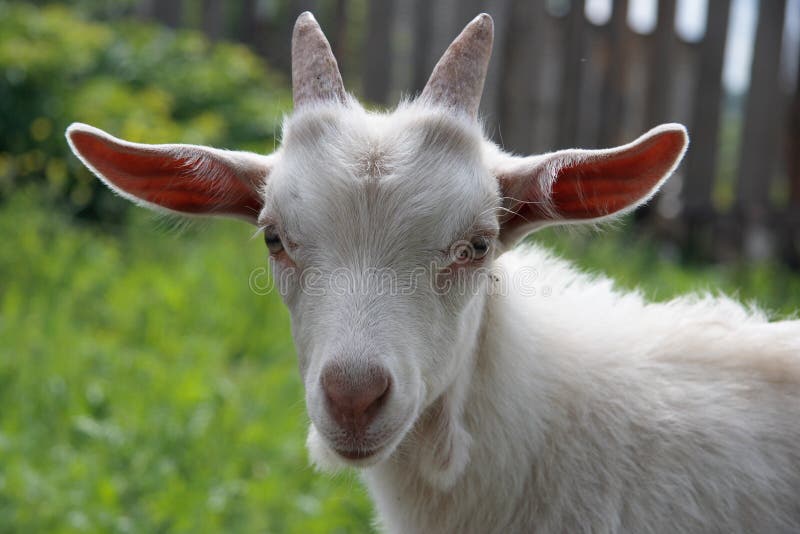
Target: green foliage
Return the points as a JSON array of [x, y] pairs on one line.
[[139, 82]]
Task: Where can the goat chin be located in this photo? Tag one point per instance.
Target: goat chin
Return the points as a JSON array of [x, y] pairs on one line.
[[325, 458], [322, 457]]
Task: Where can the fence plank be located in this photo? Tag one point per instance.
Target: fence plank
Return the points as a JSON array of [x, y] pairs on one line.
[[213, 19], [706, 234], [660, 65], [500, 10], [521, 58], [793, 145], [447, 17], [423, 41], [614, 78], [701, 162], [758, 149], [167, 12], [790, 246], [571, 75], [548, 90], [377, 73], [594, 70], [338, 34]]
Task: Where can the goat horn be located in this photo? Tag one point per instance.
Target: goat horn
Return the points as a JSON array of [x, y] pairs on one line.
[[457, 79], [315, 73]]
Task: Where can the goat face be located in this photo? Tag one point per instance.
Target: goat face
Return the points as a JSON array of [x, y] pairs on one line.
[[383, 284]]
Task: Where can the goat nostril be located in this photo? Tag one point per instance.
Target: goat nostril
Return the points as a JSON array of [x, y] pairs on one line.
[[354, 397], [379, 400]]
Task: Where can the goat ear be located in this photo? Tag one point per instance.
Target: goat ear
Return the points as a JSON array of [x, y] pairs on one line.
[[185, 179], [586, 185]]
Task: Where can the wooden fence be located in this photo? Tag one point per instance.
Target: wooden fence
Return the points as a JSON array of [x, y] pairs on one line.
[[557, 80]]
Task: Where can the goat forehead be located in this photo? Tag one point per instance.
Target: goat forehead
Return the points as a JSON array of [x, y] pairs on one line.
[[381, 175], [369, 146]]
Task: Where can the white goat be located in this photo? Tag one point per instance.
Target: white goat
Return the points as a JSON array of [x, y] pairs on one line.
[[472, 404]]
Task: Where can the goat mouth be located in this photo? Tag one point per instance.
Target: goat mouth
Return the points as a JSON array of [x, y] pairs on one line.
[[356, 454]]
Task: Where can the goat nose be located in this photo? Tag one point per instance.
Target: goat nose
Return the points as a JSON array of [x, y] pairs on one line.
[[354, 395]]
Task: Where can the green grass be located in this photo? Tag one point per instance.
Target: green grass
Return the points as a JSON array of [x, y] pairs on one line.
[[145, 388]]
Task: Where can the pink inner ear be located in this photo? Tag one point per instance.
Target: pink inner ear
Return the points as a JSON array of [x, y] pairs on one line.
[[575, 185], [164, 176], [605, 183]]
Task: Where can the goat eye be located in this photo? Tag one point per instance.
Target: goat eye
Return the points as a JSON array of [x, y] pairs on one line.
[[468, 251], [273, 241], [480, 247]]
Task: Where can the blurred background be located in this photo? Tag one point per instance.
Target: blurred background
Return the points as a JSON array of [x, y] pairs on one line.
[[144, 386]]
